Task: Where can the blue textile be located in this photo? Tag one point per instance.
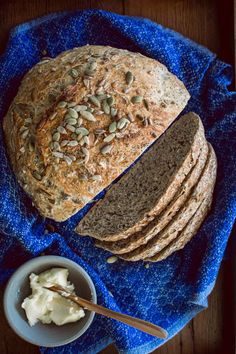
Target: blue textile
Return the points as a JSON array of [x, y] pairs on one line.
[[171, 292]]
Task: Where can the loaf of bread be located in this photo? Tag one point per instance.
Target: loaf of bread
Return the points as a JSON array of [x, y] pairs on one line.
[[79, 120], [141, 195], [158, 223]]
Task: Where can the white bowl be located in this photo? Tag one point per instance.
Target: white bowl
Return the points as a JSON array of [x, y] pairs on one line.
[[47, 335]]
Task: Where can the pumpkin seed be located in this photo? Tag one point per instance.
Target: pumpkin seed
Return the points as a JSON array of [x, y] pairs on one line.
[[90, 109], [105, 107], [106, 149], [136, 99], [82, 131], [62, 104], [74, 136], [129, 78], [109, 138], [71, 121], [71, 128], [112, 127], [61, 130], [72, 112], [79, 108], [81, 141], [122, 123], [74, 73], [88, 115], [112, 259], [73, 143], [37, 175], [101, 97], [67, 116], [113, 112], [97, 178], [71, 104], [58, 154], [67, 159], [146, 104], [110, 101], [25, 133], [56, 146], [95, 101], [56, 136], [64, 143]]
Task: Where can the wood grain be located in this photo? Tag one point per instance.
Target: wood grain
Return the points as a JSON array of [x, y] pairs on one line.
[[209, 22]]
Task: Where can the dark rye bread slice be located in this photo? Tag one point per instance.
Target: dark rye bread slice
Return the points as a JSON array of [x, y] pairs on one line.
[[145, 190], [188, 232], [158, 223], [171, 231]]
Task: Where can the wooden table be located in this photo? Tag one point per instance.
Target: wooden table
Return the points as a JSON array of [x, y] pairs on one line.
[[210, 23]]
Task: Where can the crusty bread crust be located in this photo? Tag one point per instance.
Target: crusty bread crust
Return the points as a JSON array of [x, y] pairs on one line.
[[58, 165]]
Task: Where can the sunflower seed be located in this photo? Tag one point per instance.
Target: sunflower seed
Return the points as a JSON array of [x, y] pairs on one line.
[[112, 259], [136, 99], [71, 104], [86, 140], [71, 121], [67, 159], [99, 90], [99, 113], [106, 149], [86, 154], [88, 115], [25, 133], [74, 73], [56, 146], [73, 143], [71, 128], [61, 130], [79, 122], [109, 138], [95, 101], [64, 143], [82, 131], [99, 131], [31, 146], [72, 157], [79, 108], [81, 141], [112, 127], [37, 175], [93, 65], [56, 136], [58, 154], [86, 83], [72, 112], [22, 150], [122, 123], [105, 107], [22, 129], [85, 199], [150, 121], [129, 78], [113, 112], [62, 104], [146, 104], [110, 101], [91, 138], [90, 109], [96, 177]]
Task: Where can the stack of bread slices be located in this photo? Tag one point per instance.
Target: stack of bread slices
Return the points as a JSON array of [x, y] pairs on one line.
[[160, 203]]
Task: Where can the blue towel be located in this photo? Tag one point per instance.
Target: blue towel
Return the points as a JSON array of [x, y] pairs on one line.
[[169, 293]]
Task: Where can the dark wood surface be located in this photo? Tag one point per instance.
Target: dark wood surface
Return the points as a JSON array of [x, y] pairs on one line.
[[210, 23]]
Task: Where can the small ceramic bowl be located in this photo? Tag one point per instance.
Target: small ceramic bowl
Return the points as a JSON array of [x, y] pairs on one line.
[[47, 335]]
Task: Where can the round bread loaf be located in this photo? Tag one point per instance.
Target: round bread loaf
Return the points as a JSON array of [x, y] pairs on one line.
[[79, 120]]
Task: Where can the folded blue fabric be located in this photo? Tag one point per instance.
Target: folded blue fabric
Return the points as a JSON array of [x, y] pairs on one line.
[[171, 292]]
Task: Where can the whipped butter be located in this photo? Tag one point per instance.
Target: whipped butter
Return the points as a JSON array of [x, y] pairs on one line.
[[48, 306]]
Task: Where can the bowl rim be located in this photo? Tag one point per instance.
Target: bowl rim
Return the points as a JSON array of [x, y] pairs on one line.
[[49, 258]]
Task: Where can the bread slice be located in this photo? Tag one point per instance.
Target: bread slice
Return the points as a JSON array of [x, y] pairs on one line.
[[158, 223], [187, 233], [172, 230], [147, 188]]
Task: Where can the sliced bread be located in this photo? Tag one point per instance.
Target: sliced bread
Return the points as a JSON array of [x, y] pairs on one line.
[[158, 223], [172, 230], [187, 233], [149, 186]]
